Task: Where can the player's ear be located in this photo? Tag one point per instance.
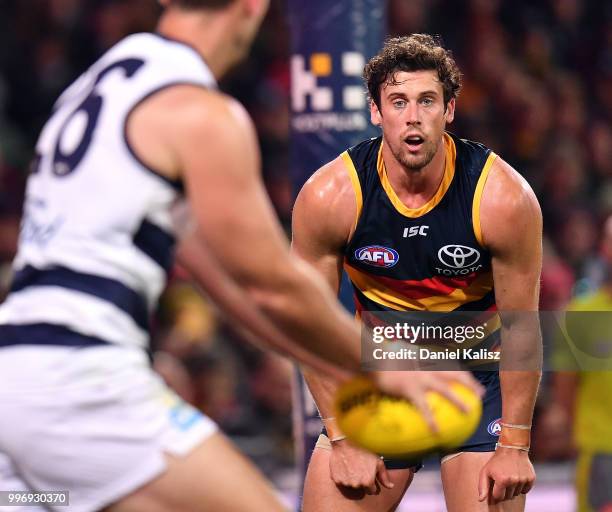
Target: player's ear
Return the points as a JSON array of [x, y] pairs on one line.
[[450, 110], [375, 115]]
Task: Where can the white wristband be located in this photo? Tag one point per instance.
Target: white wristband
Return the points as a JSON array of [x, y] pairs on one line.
[[522, 448], [514, 425]]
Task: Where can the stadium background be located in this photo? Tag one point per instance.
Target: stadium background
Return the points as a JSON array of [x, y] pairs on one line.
[[537, 89]]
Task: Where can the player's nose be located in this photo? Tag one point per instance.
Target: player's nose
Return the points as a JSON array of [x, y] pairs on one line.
[[412, 114]]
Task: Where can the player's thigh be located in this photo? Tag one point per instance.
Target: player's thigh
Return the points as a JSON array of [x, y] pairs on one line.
[[214, 476], [10, 480], [322, 494], [460, 482]]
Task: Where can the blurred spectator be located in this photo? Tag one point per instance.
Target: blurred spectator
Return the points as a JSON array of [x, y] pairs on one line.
[[576, 239], [187, 322], [557, 280], [270, 385], [12, 183]]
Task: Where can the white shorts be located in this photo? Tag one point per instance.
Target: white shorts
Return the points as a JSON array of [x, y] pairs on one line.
[[94, 421]]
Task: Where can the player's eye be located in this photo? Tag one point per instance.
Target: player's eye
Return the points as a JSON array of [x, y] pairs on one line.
[[427, 102], [399, 103]]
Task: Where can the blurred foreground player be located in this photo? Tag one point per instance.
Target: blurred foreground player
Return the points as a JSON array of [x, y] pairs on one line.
[[461, 231], [583, 397], [81, 408]]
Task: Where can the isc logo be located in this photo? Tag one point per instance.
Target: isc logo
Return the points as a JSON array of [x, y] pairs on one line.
[[415, 230], [377, 255]]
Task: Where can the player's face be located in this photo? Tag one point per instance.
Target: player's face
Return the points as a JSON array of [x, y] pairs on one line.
[[413, 117]]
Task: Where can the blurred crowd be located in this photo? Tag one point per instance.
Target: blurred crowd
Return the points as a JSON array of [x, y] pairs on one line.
[[537, 90]]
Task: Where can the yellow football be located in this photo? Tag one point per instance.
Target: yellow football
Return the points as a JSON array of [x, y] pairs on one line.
[[393, 427]]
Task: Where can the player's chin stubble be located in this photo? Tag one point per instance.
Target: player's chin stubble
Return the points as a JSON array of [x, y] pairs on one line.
[[411, 163]]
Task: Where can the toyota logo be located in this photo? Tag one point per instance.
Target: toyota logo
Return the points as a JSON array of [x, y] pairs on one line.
[[458, 256]]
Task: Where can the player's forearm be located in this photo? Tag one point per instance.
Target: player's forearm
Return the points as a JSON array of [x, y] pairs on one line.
[[258, 329], [303, 307], [323, 390], [520, 374], [519, 390]]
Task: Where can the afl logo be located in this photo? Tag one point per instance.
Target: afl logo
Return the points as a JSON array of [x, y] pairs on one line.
[[377, 256], [458, 256], [494, 427]]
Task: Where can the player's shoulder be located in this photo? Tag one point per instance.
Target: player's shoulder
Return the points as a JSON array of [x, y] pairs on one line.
[[166, 55], [509, 208], [469, 148], [330, 188], [328, 202], [365, 151], [507, 192], [470, 155], [201, 106], [188, 123], [187, 112], [341, 176]]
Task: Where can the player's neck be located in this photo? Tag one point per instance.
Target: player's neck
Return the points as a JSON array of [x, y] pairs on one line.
[[414, 187], [207, 33]]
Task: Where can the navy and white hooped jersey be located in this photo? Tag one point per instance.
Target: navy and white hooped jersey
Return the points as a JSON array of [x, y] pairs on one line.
[[426, 259], [97, 235]]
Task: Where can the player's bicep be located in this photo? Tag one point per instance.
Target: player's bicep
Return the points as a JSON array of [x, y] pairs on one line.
[[220, 162], [321, 222], [512, 230]]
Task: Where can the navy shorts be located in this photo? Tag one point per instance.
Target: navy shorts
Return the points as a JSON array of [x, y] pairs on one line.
[[488, 430]]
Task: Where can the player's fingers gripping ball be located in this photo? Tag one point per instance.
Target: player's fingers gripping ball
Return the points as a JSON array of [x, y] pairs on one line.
[[394, 427]]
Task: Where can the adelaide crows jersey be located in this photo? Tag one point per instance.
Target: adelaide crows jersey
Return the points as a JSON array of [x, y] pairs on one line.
[[427, 259], [97, 235]]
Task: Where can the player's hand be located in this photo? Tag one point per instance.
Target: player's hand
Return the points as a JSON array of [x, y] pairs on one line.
[[509, 473], [350, 466], [413, 385]]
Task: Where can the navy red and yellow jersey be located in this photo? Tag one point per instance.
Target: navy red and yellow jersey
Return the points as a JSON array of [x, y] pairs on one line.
[[430, 258]]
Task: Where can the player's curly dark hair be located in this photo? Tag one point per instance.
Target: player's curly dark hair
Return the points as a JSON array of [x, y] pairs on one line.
[[412, 53]]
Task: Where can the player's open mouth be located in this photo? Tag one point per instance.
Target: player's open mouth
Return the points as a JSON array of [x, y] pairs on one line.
[[414, 142]]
